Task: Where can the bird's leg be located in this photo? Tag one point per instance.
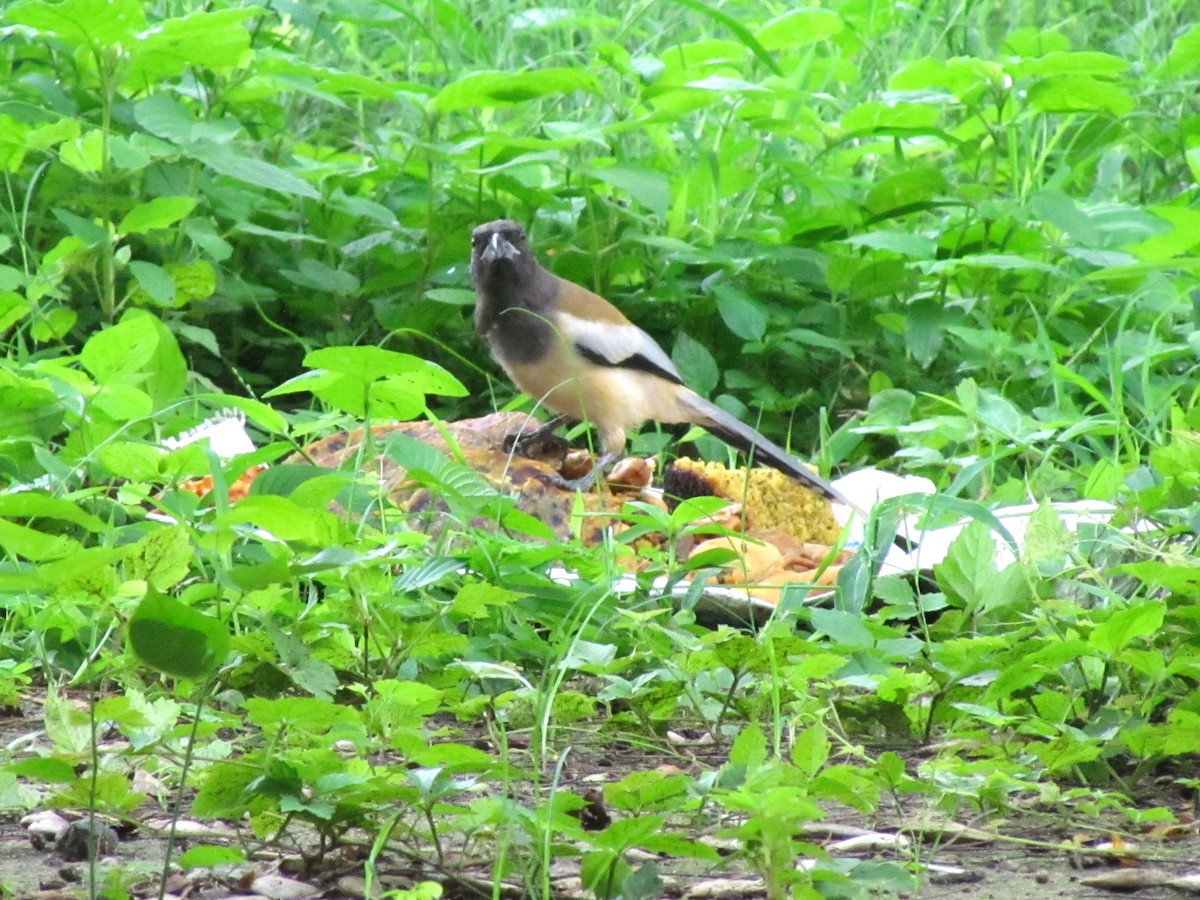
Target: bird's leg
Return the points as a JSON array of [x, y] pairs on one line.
[[527, 443]]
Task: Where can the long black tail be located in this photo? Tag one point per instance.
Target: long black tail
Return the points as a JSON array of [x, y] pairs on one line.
[[741, 436]]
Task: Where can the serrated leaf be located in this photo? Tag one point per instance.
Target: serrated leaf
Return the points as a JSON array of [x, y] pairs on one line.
[[1123, 626], [969, 571], [749, 747]]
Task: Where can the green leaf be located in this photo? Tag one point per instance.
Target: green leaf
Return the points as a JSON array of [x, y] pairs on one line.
[[314, 274], [226, 160], [799, 28], [915, 187], [1070, 62], [810, 750], [39, 505], [283, 519], [749, 747], [155, 281], [1123, 626], [648, 187], [903, 243], [697, 366], [213, 40], [876, 115], [742, 32], [163, 557], [968, 573], [925, 330], [82, 23], [741, 315], [207, 857], [1079, 93], [842, 627], [161, 212], [48, 769], [139, 352], [1184, 56], [177, 639], [492, 88]]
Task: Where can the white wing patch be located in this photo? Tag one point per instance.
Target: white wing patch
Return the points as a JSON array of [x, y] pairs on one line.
[[617, 345]]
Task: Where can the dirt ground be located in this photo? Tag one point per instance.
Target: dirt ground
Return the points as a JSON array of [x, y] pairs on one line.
[[1019, 858]]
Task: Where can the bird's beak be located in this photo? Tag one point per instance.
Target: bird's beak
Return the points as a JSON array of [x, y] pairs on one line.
[[499, 248]]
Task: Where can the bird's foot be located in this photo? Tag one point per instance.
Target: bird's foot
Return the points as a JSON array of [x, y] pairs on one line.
[[586, 481], [539, 443]]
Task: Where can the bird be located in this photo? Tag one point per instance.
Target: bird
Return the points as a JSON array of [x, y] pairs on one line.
[[581, 358]]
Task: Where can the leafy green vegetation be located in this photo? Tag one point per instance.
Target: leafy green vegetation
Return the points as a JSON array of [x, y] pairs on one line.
[[954, 240]]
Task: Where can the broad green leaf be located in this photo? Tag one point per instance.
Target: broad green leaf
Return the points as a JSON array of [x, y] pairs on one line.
[[137, 353], [39, 505], [1035, 42], [207, 857], [843, 628], [28, 409], [875, 115], [749, 748], [304, 714], [798, 28], [1079, 93], [810, 750], [914, 187], [85, 154], [1071, 62], [741, 314], [87, 231], [904, 243], [733, 24], [1184, 56], [451, 296], [473, 601], [697, 366], [154, 281], [968, 573], [47, 769], [318, 276], [163, 557], [925, 329], [162, 115], [213, 40], [82, 23], [646, 186], [283, 519], [1123, 626], [226, 160], [492, 88], [161, 212], [175, 638]]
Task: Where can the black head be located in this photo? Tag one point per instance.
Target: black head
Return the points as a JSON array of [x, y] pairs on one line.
[[500, 250]]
